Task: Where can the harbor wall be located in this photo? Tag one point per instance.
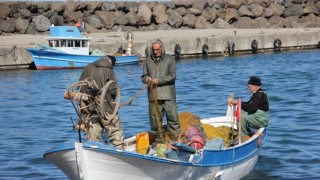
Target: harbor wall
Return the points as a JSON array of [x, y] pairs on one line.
[[191, 43], [28, 17], [14, 57], [218, 44], [294, 22]]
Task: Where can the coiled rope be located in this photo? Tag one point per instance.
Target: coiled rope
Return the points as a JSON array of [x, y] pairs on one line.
[[97, 97]]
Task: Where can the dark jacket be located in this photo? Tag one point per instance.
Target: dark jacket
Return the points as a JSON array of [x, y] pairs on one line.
[[101, 71], [258, 100]]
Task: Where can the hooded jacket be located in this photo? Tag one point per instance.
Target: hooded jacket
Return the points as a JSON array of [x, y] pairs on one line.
[[164, 69], [101, 71]]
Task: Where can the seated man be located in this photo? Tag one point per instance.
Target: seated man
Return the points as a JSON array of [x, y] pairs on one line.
[[255, 112]]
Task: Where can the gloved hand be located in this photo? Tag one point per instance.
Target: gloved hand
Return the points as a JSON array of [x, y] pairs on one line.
[[73, 95], [69, 94]]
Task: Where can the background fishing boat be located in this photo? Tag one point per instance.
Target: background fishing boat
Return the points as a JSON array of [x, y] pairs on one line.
[[67, 48]]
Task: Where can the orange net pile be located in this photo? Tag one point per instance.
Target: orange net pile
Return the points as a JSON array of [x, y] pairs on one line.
[[188, 119], [223, 132]]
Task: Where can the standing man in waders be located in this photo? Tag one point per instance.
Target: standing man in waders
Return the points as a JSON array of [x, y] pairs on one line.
[[255, 112], [102, 72], [159, 72]]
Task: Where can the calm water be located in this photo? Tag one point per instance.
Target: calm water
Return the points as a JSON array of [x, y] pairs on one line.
[[34, 116]]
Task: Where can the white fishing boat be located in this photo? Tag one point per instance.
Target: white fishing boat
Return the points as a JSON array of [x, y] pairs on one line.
[[215, 160], [96, 160]]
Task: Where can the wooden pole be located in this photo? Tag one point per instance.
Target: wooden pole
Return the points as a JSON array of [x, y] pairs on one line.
[[240, 125]]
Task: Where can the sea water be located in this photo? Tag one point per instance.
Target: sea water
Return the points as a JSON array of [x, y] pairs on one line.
[[34, 116]]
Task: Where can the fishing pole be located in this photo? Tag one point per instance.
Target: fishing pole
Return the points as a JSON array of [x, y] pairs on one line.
[[79, 134], [78, 113]]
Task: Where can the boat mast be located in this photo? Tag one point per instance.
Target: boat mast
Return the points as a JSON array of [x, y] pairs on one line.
[[129, 37]]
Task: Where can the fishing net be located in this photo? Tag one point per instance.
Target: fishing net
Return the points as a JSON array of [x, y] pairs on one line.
[[188, 119], [216, 132]]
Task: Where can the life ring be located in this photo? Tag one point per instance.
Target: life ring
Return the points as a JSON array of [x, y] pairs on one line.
[[177, 51], [254, 46], [205, 50], [277, 44], [230, 47]]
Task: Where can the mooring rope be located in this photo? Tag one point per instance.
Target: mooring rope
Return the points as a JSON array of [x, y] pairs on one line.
[[24, 58], [14, 47]]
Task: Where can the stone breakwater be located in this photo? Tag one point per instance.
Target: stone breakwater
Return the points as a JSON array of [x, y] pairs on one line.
[[37, 17]]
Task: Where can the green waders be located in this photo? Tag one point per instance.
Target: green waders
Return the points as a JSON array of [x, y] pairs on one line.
[[257, 120], [168, 107]]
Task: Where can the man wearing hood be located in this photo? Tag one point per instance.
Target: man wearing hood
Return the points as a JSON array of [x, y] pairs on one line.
[[102, 71], [159, 71]]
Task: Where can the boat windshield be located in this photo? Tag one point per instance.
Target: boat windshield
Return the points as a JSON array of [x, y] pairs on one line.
[[68, 43]]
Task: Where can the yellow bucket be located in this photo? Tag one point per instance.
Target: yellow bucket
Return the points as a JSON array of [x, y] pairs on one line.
[[143, 141]]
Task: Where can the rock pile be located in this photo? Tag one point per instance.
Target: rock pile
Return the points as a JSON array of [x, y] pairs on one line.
[[37, 17]]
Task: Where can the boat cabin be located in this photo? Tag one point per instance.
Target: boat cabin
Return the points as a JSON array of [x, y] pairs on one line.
[[68, 39]]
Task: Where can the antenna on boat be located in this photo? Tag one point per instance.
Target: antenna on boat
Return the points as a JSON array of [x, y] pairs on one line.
[[129, 37]]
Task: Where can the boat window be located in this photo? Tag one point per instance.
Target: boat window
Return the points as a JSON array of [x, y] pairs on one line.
[[84, 43], [77, 43], [57, 43], [50, 43], [63, 43], [70, 43]]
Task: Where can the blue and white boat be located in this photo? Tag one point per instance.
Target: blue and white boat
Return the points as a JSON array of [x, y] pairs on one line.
[[97, 160], [67, 48]]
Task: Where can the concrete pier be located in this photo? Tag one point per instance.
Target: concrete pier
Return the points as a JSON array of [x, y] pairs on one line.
[[14, 56]]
